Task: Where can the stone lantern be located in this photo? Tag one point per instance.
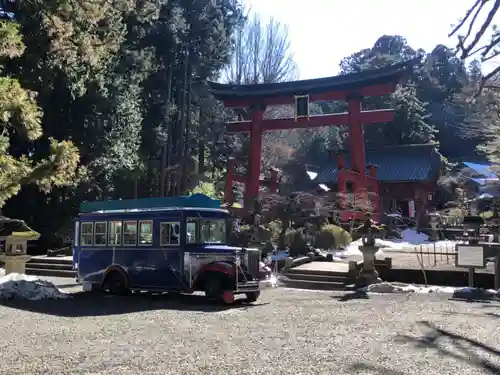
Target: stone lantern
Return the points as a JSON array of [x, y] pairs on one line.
[[368, 274], [15, 234], [434, 222]]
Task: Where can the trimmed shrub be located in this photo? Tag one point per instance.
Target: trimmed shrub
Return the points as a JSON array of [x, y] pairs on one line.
[[332, 236]]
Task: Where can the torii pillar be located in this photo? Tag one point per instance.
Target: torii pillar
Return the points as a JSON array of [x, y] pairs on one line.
[[256, 132]]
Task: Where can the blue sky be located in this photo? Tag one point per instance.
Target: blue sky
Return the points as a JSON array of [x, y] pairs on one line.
[[324, 31]]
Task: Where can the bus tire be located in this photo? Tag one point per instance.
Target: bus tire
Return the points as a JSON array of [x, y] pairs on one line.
[[252, 296], [115, 283], [212, 286]]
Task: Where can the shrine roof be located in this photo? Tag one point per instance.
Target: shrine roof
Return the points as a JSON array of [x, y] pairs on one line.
[[411, 163], [390, 74]]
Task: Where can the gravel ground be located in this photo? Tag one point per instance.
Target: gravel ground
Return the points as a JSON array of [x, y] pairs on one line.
[[285, 332]]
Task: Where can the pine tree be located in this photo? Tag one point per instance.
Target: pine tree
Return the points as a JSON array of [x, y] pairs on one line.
[[20, 117], [411, 123]]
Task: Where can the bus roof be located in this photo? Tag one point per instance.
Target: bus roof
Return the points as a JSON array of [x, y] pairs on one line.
[[195, 202], [155, 210]]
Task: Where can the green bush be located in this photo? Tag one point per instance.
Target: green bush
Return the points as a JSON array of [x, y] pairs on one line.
[[332, 236], [289, 236], [296, 243], [275, 228]]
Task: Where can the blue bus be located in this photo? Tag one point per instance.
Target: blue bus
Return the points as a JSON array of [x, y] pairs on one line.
[[168, 244]]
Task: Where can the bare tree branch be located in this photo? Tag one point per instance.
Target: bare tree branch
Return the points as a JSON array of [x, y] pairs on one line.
[[467, 15], [468, 47], [263, 54]]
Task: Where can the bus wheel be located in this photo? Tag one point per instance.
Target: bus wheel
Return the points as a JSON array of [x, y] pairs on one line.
[[115, 283], [252, 296], [213, 288]]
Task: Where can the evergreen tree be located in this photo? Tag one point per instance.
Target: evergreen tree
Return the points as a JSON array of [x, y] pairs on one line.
[[101, 69], [411, 123], [21, 119]]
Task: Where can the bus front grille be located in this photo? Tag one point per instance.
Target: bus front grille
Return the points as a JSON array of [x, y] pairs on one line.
[[253, 259]]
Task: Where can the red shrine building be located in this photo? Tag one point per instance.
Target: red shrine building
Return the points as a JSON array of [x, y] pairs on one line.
[[407, 177], [354, 176]]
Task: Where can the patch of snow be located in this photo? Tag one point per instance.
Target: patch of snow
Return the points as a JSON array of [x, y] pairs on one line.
[[411, 236], [16, 285], [352, 250], [386, 247], [312, 175], [410, 242], [324, 187], [386, 287]]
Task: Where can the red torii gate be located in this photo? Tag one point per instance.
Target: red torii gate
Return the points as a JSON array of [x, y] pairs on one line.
[[350, 87]]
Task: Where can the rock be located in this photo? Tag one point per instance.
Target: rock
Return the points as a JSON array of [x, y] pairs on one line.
[[318, 256]]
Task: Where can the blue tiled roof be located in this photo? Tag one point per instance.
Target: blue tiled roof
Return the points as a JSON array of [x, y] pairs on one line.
[[400, 163], [482, 169]]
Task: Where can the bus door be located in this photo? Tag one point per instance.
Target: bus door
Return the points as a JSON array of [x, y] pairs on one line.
[[170, 243]]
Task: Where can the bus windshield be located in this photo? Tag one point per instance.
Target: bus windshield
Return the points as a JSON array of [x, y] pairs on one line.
[[206, 231]]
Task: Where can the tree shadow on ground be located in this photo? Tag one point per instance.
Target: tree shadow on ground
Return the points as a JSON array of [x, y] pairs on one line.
[[493, 315], [353, 295], [83, 304], [459, 347], [472, 315], [462, 348], [474, 296]]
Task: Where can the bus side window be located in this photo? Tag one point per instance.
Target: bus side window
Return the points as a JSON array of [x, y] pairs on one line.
[[129, 233], [145, 232], [115, 233], [86, 234], [170, 233], [100, 233], [191, 230]]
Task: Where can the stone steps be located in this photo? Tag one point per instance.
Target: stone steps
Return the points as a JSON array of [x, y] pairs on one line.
[[332, 278], [326, 275], [51, 272], [51, 266], [313, 285], [52, 260], [315, 279]]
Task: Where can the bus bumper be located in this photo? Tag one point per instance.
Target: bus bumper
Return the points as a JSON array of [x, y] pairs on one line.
[[249, 286]]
